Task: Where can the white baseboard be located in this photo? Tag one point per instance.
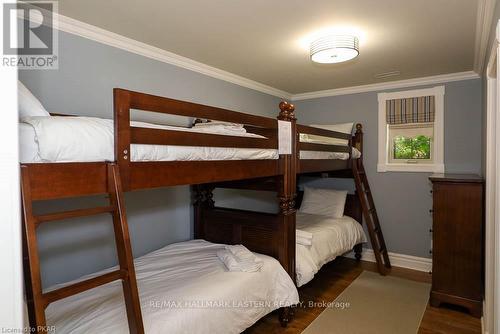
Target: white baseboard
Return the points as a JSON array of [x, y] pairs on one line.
[[484, 330], [399, 260]]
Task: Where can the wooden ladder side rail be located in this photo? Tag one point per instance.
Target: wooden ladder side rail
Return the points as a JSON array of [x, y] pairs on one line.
[[370, 215], [37, 299]]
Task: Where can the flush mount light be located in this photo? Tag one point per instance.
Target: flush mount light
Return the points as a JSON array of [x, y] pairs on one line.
[[334, 49]]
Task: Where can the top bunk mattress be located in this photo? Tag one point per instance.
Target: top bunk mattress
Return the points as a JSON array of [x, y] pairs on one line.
[[89, 139], [183, 288]]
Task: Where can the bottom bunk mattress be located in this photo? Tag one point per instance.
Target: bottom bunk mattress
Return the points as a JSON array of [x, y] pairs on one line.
[[184, 288], [331, 237]]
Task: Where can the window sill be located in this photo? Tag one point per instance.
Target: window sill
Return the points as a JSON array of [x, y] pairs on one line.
[[423, 168]]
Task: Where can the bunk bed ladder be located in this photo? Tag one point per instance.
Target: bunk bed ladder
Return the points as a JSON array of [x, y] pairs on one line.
[[39, 300], [371, 217]]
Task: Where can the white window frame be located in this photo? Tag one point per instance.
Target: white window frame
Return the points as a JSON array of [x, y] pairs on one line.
[[437, 165]]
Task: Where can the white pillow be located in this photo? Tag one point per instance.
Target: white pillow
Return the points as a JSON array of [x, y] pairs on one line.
[[324, 202], [341, 127], [29, 105]]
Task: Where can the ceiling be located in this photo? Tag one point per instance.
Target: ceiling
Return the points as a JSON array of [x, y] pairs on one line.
[[266, 41]]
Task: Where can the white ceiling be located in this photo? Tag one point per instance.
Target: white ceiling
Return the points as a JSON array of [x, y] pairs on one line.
[[266, 41]]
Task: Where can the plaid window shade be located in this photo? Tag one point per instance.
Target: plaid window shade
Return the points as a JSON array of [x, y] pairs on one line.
[[411, 110]]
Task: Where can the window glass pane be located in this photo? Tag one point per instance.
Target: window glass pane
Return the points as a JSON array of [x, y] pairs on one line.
[[414, 148]]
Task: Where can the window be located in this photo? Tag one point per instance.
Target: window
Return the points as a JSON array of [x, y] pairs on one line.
[[411, 143], [411, 131]]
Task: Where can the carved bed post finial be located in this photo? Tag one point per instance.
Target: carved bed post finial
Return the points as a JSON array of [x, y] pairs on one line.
[[359, 128], [287, 111], [358, 137]]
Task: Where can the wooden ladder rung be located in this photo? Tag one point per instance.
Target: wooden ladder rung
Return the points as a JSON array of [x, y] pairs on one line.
[[73, 214], [82, 286]]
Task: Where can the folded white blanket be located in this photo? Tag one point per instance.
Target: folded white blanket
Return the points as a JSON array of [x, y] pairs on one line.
[[232, 263], [240, 252], [303, 237], [220, 126]]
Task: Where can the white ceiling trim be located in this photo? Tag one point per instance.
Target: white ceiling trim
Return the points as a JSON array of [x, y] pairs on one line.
[[483, 24], [103, 36], [388, 85]]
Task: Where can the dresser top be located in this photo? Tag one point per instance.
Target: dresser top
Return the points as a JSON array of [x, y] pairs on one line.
[[462, 178]]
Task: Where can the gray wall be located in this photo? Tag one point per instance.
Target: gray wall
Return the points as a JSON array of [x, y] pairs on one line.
[[83, 86], [403, 199]]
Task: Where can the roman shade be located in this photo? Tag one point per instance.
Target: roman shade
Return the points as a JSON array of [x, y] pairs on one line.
[[411, 110]]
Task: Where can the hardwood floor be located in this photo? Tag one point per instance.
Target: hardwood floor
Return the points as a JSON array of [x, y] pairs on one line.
[[334, 277]]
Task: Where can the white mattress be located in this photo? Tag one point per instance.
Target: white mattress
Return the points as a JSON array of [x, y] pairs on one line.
[[331, 238], [356, 154], [183, 288], [86, 139]]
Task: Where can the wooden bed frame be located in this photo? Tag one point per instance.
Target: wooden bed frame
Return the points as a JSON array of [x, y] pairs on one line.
[[265, 233]]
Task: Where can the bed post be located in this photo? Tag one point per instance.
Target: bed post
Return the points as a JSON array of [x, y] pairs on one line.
[[358, 143], [358, 137], [122, 104], [287, 194]]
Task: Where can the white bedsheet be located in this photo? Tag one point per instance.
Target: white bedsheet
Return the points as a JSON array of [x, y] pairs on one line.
[[331, 238], [85, 139], [176, 286]]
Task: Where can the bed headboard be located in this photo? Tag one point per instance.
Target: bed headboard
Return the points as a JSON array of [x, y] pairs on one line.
[[352, 206]]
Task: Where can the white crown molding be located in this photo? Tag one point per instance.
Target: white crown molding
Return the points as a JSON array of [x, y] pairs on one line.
[[399, 260], [483, 24], [436, 79], [106, 37]]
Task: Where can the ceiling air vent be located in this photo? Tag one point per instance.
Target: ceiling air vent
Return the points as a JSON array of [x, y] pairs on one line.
[[387, 74]]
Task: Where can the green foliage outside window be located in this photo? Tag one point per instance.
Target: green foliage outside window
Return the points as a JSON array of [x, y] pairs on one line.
[[412, 148]]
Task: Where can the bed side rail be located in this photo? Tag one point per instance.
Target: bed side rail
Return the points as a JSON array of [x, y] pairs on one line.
[[328, 134], [125, 134]]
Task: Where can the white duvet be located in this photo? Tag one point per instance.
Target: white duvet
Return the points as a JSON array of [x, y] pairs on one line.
[[331, 238], [86, 139], [183, 288]]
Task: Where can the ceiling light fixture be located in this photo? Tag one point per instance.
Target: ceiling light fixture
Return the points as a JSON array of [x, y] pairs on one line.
[[334, 49]]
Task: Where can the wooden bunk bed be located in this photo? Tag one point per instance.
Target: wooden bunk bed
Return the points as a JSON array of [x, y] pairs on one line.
[[44, 181]]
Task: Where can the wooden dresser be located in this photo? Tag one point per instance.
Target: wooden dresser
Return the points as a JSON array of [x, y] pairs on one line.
[[458, 251]]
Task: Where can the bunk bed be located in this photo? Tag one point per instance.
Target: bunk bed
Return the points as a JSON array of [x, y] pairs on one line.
[[55, 175]]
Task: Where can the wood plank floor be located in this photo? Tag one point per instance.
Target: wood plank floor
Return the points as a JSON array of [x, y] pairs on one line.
[[334, 277]]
